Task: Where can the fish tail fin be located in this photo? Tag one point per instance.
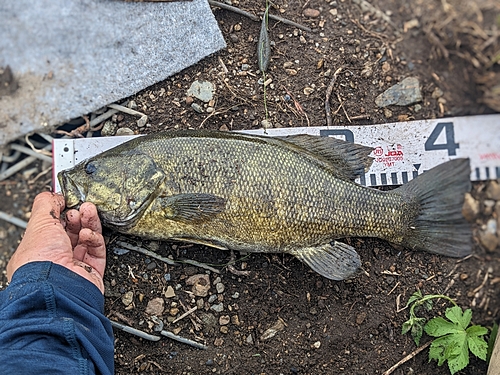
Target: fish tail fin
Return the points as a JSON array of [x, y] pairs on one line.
[[439, 226]]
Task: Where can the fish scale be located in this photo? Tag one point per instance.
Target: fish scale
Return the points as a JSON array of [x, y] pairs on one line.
[[257, 194]]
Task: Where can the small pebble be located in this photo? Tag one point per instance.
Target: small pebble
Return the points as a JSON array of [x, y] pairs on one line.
[[235, 295], [151, 266], [224, 320], [109, 128], [142, 121], [170, 292], [470, 209], [235, 320], [360, 318], [317, 344], [167, 277], [155, 306], [124, 131], [197, 107], [132, 104], [218, 307], [127, 298], [210, 362], [249, 339], [174, 311], [224, 330], [219, 287], [212, 298], [309, 12]]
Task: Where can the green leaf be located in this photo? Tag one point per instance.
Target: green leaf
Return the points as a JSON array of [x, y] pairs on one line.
[[428, 305], [491, 341], [452, 348], [406, 326], [414, 297], [477, 344], [437, 327], [417, 329], [456, 316]]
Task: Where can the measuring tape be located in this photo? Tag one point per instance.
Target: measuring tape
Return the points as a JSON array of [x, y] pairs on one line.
[[401, 150]]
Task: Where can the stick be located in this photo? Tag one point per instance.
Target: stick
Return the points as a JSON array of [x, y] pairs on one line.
[[291, 23], [13, 220], [201, 265], [145, 252], [186, 314], [407, 358], [184, 340], [329, 90], [257, 19], [134, 331], [29, 151], [234, 9], [126, 110]]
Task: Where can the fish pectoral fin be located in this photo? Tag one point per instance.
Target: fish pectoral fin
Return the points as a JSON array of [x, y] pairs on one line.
[[192, 207], [336, 261]]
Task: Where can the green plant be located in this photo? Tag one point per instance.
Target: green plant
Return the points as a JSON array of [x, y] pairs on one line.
[[454, 338]]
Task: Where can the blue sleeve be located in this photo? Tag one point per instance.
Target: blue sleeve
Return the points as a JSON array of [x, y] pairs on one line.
[[52, 322]]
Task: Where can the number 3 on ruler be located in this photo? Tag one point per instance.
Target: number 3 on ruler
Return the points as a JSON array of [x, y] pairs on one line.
[[450, 145]]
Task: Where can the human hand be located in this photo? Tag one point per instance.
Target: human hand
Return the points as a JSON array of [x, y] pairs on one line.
[[75, 243]]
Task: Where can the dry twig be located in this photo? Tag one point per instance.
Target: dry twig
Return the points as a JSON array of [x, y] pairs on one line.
[[407, 358], [329, 90]]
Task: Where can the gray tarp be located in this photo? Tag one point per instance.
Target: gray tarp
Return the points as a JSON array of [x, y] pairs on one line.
[[71, 57]]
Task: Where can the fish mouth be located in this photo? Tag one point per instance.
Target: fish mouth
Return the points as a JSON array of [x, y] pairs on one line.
[[73, 194]]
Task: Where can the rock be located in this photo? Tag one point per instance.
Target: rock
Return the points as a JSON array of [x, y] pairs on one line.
[[158, 324], [142, 121], [249, 339], [128, 298], [219, 341], [108, 129], [387, 113], [403, 93], [224, 329], [272, 331], [224, 320], [437, 93], [202, 90], [488, 236], [210, 362], [235, 320], [308, 90], [386, 67], [132, 104], [155, 306], [360, 318], [124, 131], [470, 209], [218, 307], [197, 108], [317, 345], [219, 287], [200, 284], [488, 206], [170, 292], [212, 298], [236, 295], [266, 124], [174, 311], [334, 12], [493, 190], [224, 128], [312, 13], [200, 303]]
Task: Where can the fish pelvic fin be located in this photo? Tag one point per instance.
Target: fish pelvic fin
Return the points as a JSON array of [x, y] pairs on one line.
[[192, 208], [335, 261], [439, 226], [348, 159]]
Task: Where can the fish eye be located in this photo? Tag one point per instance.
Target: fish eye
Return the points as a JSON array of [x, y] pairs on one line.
[[90, 168]]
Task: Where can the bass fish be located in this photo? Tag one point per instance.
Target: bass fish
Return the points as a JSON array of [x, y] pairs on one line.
[[293, 194]]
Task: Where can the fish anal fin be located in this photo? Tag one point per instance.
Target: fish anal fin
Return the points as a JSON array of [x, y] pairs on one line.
[[335, 261], [192, 207], [348, 159]]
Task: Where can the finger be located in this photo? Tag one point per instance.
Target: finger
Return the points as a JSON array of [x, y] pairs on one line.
[[73, 226], [91, 250], [47, 209], [90, 218]]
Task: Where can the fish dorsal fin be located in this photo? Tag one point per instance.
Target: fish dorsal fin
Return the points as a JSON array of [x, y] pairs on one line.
[[336, 261], [192, 207], [348, 159]]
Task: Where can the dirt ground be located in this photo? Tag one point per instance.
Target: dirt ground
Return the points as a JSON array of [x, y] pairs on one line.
[[321, 326]]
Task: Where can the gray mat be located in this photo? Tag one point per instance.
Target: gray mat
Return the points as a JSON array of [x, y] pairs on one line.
[[71, 57]]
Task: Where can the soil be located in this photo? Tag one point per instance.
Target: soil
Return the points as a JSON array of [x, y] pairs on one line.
[[321, 326]]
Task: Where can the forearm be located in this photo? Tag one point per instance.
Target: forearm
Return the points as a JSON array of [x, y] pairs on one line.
[[51, 321]]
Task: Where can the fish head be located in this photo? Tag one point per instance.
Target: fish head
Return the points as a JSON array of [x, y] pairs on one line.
[[120, 186]]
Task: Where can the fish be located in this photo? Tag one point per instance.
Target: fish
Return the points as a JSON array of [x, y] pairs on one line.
[[294, 195]]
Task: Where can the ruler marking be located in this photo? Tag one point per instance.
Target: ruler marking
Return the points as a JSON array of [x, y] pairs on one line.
[[394, 178], [362, 180], [383, 178], [498, 172], [487, 173], [373, 179], [404, 175], [478, 174]]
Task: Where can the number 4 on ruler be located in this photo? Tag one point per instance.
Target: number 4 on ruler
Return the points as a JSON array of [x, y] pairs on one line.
[[449, 133]]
